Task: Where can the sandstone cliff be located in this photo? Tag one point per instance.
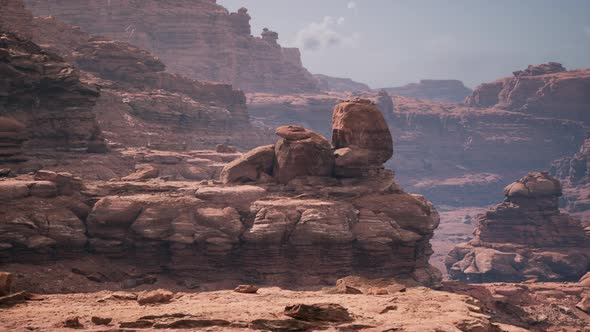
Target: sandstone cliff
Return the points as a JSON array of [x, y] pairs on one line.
[[198, 39], [46, 95], [452, 91], [546, 90], [525, 237], [337, 84]]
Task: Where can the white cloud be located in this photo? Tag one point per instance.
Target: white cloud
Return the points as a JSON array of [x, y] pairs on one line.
[[351, 5], [317, 36]]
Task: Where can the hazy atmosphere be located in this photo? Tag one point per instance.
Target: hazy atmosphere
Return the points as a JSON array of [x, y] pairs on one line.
[[394, 42]]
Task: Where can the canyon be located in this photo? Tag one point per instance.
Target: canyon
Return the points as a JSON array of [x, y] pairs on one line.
[[138, 187]]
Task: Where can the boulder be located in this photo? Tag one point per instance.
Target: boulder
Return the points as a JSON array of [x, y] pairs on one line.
[[101, 320], [322, 312], [301, 152], [358, 124], [142, 173], [251, 166], [5, 283], [246, 289], [73, 322], [111, 217], [154, 297], [584, 304]]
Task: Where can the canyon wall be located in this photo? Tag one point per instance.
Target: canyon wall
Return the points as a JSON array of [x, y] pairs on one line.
[[547, 90], [452, 91], [337, 84], [198, 39]]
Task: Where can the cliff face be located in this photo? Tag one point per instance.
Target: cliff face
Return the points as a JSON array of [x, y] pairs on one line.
[[452, 91], [337, 84], [545, 90], [141, 104], [46, 95], [198, 39], [525, 237]]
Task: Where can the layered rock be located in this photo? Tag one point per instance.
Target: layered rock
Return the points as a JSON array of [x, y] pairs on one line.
[[295, 223], [337, 84], [452, 91], [39, 90], [574, 172], [525, 237], [544, 90], [199, 39]]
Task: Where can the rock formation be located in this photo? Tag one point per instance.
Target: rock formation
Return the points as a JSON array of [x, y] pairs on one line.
[[293, 216], [39, 90], [545, 90], [574, 172], [452, 91], [453, 154], [525, 237], [337, 84], [198, 39]]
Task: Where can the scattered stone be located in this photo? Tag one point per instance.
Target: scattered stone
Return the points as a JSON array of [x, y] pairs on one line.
[[13, 299], [156, 296], [191, 324], [251, 166], [5, 283], [281, 325], [584, 305], [100, 320], [138, 324], [142, 173], [322, 312], [342, 289], [73, 323], [388, 309], [246, 289]]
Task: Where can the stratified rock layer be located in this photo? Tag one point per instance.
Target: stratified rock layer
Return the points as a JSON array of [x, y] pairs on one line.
[[525, 237], [436, 90], [46, 95], [544, 90], [199, 39]]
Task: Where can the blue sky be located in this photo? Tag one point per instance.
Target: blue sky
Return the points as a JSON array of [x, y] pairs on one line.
[[394, 42]]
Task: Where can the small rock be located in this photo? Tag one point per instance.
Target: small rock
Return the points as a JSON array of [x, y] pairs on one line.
[[343, 289], [4, 172], [73, 323], [157, 296], [5, 283], [584, 305], [388, 309], [15, 298], [138, 324], [322, 312], [246, 289], [101, 321]]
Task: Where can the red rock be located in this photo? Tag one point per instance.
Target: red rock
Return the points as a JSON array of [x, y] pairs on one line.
[[584, 305], [358, 124], [301, 152], [251, 166], [5, 283], [529, 218], [155, 297], [246, 289], [223, 49], [436, 90], [324, 312]]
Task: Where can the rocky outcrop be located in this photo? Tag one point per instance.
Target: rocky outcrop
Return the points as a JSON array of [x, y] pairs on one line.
[[198, 39], [453, 154], [337, 84], [525, 237], [39, 90], [545, 90], [452, 91], [574, 172], [292, 217]]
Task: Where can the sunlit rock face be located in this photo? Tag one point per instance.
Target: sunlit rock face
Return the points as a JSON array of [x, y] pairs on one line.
[[525, 237], [198, 39]]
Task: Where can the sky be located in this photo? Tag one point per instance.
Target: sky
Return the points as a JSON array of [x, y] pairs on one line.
[[394, 42]]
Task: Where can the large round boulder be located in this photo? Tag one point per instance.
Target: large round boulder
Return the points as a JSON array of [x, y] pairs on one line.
[[302, 152], [358, 124]]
